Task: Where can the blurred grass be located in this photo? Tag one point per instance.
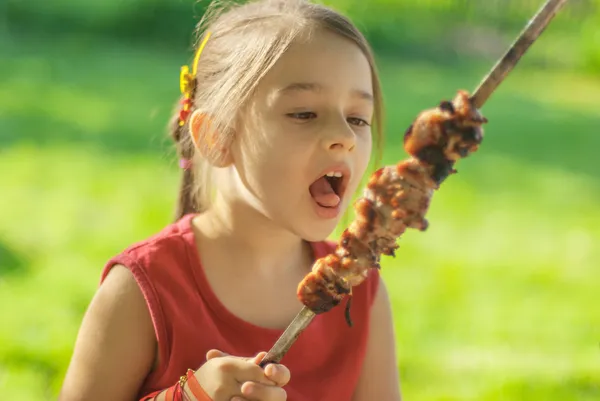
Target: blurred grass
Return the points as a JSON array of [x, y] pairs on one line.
[[498, 300], [429, 29]]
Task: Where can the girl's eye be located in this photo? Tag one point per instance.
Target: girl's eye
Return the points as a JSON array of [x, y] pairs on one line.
[[358, 121], [309, 115], [306, 115]]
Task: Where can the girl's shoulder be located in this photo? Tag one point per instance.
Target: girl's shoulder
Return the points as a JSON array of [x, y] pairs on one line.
[[162, 250]]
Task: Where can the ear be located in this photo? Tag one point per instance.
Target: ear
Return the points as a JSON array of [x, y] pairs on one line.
[[212, 144]]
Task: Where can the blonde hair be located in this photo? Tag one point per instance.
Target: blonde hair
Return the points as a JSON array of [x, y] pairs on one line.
[[245, 42]]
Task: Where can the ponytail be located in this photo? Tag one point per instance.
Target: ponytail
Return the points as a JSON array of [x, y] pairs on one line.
[[185, 203], [179, 132]]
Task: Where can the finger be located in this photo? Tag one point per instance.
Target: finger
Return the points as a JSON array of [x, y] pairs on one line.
[[259, 392], [215, 353], [259, 357], [278, 373], [247, 371]]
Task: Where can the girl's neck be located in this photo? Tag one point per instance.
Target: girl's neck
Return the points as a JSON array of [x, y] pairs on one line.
[[251, 237]]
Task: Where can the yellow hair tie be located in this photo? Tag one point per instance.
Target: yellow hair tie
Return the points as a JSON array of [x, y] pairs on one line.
[[187, 80]]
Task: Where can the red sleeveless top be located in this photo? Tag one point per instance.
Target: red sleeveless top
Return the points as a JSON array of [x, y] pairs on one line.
[[189, 320]]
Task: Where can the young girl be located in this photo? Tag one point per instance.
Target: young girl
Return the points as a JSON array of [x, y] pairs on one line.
[[284, 93]]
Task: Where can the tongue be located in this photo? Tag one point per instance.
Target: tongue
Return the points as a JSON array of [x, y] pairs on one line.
[[323, 193]]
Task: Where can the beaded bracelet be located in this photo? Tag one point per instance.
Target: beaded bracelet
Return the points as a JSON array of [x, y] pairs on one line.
[[197, 390], [176, 392]]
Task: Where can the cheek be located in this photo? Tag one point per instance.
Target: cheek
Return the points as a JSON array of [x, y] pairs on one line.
[[273, 156], [283, 171], [270, 166]]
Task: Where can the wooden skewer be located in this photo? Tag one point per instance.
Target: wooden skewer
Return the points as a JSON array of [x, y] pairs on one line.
[[289, 337], [507, 62], [488, 85]]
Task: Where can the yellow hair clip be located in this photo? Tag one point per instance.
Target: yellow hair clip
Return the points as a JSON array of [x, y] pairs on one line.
[[187, 80]]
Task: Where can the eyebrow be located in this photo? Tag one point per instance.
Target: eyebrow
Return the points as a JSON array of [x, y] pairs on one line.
[[315, 87]]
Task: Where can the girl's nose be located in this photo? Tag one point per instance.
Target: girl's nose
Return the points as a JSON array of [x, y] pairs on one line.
[[339, 136]]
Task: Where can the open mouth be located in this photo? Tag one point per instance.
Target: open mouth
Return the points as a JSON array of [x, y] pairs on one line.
[[328, 190]]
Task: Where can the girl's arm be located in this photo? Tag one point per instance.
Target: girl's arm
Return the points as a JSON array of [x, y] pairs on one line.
[[379, 377], [116, 344]]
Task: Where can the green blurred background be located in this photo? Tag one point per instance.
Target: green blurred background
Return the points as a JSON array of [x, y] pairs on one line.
[[498, 300]]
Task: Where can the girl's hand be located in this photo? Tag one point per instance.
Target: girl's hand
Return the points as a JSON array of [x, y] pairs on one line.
[[230, 378]]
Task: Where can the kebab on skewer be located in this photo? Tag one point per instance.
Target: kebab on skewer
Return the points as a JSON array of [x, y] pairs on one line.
[[396, 198]]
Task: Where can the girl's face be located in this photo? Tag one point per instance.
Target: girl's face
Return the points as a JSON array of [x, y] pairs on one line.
[[309, 117]]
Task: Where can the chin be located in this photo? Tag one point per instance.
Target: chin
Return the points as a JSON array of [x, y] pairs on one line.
[[316, 231], [314, 228]]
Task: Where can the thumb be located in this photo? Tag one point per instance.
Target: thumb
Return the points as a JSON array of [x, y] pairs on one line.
[[215, 353]]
